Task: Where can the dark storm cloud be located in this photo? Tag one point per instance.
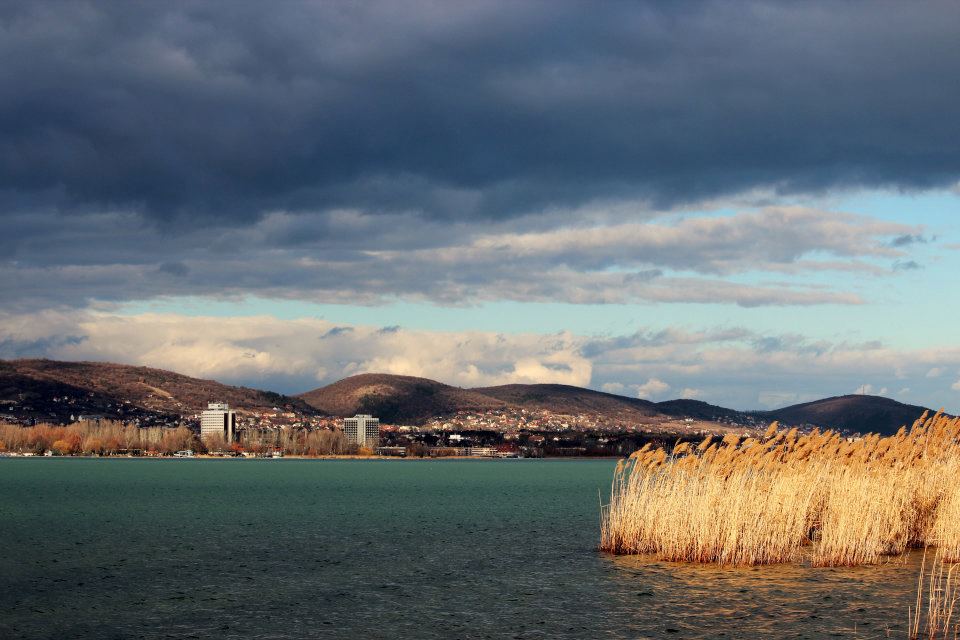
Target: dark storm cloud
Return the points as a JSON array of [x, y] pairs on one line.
[[336, 331], [907, 265], [10, 348], [908, 239], [209, 113], [177, 269]]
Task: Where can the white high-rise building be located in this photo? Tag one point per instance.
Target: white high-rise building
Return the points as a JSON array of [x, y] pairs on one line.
[[218, 419], [363, 430]]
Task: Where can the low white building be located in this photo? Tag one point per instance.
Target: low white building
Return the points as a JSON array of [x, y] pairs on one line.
[[363, 430], [218, 419]]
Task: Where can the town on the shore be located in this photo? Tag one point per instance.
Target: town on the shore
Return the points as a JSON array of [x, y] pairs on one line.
[[221, 431]]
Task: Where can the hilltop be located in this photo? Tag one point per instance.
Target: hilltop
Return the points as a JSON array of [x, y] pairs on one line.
[[854, 413], [687, 408], [561, 398], [50, 389], [397, 399]]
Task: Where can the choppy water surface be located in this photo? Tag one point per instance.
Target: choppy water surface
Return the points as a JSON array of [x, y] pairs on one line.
[[379, 549]]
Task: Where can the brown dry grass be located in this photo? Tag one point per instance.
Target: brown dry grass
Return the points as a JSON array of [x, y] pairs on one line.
[[788, 496]]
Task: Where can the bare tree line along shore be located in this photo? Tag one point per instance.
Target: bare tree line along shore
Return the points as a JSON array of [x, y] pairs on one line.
[[107, 438]]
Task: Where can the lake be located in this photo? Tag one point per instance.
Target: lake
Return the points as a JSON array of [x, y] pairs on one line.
[[118, 548]]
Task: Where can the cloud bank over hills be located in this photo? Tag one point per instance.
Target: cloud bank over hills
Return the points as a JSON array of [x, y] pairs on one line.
[[739, 366]]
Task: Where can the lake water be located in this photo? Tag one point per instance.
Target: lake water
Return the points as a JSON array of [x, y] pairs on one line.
[[117, 548]]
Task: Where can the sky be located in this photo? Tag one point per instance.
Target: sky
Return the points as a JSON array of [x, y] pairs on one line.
[[751, 204]]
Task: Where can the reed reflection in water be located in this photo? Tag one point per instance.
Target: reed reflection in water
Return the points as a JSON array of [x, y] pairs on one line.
[[683, 600]]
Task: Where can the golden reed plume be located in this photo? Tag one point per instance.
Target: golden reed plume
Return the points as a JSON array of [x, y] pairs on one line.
[[788, 496]]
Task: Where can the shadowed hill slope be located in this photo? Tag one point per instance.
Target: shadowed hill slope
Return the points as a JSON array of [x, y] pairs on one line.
[[100, 388], [849, 413], [396, 399], [573, 400], [700, 410], [561, 398]]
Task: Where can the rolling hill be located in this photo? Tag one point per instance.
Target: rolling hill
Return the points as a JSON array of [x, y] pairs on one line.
[[396, 399], [855, 413], [686, 408], [52, 389], [561, 398]]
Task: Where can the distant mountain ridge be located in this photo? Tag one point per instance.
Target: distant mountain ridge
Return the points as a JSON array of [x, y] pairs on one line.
[[102, 388]]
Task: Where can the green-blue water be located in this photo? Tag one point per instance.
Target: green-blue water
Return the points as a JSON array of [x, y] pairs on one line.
[[116, 548]]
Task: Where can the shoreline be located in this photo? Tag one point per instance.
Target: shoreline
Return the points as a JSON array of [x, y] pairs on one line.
[[326, 457]]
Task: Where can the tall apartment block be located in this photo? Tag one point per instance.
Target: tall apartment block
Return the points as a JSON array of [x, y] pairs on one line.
[[363, 430], [219, 419]]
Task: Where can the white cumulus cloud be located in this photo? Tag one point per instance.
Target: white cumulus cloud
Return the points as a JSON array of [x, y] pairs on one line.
[[652, 389]]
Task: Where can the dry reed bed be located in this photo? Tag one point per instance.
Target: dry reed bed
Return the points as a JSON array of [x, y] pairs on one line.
[[788, 496]]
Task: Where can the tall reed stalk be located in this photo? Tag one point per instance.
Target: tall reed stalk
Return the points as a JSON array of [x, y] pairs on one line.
[[935, 619]]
